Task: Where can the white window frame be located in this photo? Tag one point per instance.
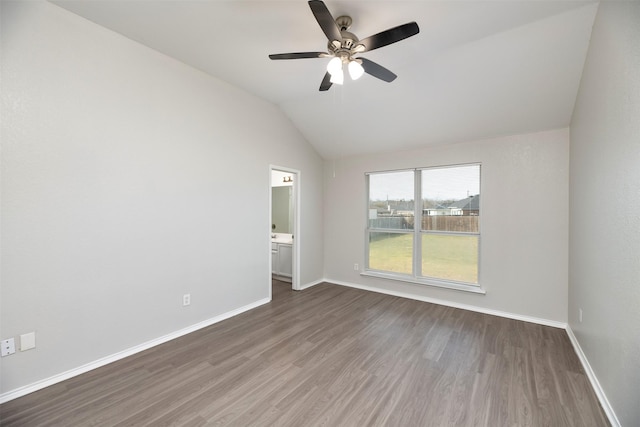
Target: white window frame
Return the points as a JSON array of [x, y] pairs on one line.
[[416, 275]]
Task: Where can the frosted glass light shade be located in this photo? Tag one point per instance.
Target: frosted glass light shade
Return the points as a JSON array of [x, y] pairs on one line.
[[337, 78], [355, 70], [335, 66]]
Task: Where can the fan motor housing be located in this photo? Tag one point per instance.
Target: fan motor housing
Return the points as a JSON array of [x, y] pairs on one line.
[[349, 40]]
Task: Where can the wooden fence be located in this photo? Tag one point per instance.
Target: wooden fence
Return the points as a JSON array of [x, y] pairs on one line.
[[460, 223], [457, 223]]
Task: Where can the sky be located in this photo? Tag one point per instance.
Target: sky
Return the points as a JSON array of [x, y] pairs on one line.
[[447, 183]]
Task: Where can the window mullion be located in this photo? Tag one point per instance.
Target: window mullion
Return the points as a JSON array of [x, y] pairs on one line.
[[367, 230], [417, 224]]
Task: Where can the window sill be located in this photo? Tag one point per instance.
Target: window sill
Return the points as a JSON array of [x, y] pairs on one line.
[[428, 282]]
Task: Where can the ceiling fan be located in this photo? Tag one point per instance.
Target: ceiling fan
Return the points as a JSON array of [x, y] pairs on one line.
[[343, 46]]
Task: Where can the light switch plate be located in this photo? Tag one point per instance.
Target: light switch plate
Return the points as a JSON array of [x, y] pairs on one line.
[[27, 341]]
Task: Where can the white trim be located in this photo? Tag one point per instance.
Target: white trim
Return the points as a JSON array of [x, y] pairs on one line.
[[22, 391], [604, 402], [475, 289], [308, 285], [524, 318]]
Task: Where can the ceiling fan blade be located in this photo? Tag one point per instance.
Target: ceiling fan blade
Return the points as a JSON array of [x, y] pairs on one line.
[[377, 70], [326, 82], [325, 20], [299, 55], [390, 36]]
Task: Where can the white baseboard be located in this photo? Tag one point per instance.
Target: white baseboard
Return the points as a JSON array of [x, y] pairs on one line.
[[22, 391], [308, 285], [604, 402], [545, 322]]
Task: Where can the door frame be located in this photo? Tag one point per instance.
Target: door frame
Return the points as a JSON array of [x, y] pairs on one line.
[[297, 177]]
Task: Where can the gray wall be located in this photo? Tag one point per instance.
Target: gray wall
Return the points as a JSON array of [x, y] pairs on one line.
[[120, 170], [524, 221], [604, 268]]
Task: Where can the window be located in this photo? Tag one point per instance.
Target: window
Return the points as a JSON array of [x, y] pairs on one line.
[[442, 246]]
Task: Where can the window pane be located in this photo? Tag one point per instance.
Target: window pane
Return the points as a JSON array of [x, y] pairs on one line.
[[450, 257], [451, 199], [391, 252], [391, 200]]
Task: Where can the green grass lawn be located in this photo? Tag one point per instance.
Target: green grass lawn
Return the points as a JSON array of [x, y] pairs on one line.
[[391, 252], [449, 257]]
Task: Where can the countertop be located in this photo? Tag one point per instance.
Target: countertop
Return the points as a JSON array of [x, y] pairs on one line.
[[282, 238]]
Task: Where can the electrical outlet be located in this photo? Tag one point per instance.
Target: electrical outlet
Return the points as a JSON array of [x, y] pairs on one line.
[[356, 267], [186, 300], [580, 315], [8, 347]]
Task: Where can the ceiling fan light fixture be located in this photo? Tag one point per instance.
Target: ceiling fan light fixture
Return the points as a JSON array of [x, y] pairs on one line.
[[343, 46], [335, 66], [355, 69]]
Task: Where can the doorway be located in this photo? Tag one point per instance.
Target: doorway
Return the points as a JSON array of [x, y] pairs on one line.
[[284, 220]]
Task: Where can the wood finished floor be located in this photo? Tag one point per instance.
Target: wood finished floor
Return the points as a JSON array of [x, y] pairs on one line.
[[333, 356]]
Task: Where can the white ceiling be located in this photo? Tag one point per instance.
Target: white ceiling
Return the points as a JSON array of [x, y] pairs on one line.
[[477, 69]]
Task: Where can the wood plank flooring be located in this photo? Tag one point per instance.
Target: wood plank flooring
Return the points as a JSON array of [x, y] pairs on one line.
[[333, 356]]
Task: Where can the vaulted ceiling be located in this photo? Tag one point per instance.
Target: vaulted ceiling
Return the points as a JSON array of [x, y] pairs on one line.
[[477, 69]]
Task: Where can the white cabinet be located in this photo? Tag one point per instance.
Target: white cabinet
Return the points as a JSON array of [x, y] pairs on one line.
[[285, 260], [282, 260]]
